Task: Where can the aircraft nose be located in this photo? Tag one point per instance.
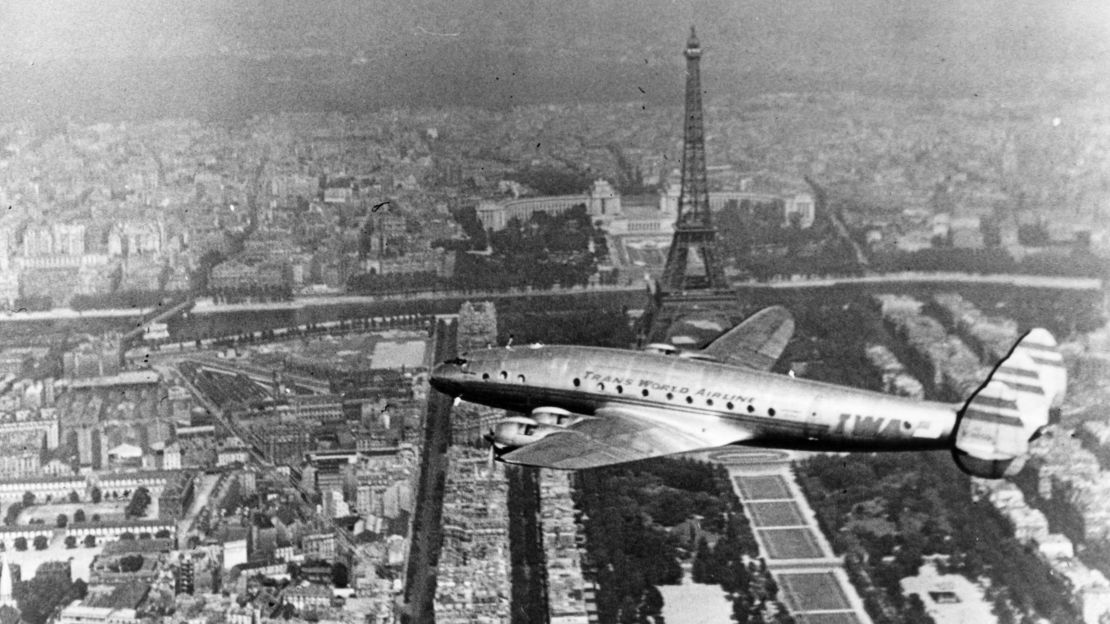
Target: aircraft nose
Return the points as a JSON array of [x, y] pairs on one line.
[[446, 377]]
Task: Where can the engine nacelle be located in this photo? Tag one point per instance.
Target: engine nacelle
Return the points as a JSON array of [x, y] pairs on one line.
[[519, 431], [554, 416]]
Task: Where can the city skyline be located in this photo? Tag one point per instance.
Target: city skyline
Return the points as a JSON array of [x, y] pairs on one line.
[[235, 239]]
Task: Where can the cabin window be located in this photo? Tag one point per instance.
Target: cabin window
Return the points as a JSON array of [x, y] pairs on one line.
[[907, 425], [644, 392], [504, 375], [529, 429], [669, 396], [577, 382], [520, 378], [485, 376], [770, 411], [620, 389], [729, 405], [689, 399], [750, 409], [709, 402], [601, 387]]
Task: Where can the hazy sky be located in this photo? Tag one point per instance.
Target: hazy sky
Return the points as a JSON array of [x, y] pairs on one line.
[[951, 45], [963, 28]]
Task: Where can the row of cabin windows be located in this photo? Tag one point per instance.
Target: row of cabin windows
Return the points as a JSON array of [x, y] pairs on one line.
[[670, 397], [504, 375]]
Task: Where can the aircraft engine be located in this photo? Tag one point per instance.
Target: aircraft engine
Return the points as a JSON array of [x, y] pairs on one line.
[[519, 431], [554, 416]]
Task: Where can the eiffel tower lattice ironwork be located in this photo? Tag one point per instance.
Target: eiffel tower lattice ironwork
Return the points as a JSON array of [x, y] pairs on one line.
[[692, 262]]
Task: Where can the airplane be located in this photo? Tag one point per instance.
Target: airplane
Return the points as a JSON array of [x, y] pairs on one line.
[[590, 406]]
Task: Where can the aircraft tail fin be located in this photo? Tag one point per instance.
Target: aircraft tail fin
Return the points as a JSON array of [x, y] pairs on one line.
[[997, 423]]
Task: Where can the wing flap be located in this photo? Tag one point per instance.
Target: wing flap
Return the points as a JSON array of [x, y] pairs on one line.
[[756, 343], [623, 434]]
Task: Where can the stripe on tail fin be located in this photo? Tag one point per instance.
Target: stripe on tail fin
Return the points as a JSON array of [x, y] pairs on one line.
[[1040, 347]]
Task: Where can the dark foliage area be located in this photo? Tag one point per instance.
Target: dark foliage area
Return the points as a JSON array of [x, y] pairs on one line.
[[829, 340], [1079, 262], [544, 251], [467, 218], [283, 292], [541, 253], [120, 299], [592, 325], [140, 500], [551, 181], [33, 304], [370, 283], [906, 505], [41, 596], [637, 523], [754, 237], [527, 572]]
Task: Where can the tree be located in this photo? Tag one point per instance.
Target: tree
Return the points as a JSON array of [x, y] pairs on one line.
[[162, 534], [701, 570], [131, 563], [80, 588], [339, 574], [40, 596], [89, 541], [127, 536], [79, 515], [652, 603], [95, 495], [71, 541], [21, 543], [12, 515], [41, 542], [61, 521], [28, 499], [96, 517], [74, 497], [140, 500]]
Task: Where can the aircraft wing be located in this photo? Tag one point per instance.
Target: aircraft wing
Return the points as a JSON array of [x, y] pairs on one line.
[[757, 342], [621, 433]]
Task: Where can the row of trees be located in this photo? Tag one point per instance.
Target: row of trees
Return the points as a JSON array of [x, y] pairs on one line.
[[1079, 262], [11, 516], [120, 299], [369, 283], [41, 542]]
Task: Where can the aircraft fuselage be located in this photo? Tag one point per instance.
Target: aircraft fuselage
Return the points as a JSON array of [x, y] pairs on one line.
[[746, 406]]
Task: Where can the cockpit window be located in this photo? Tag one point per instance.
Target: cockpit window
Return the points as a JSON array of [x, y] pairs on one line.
[[458, 361]]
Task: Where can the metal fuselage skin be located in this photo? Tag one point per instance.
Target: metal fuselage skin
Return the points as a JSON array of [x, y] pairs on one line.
[[745, 406]]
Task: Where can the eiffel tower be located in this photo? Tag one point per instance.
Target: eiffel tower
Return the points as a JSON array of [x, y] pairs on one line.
[[692, 263], [693, 282]]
